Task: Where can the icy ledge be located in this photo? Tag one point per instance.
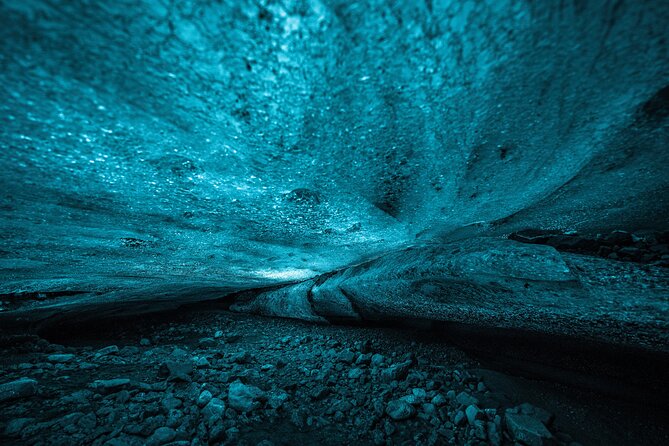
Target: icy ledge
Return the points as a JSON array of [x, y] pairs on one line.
[[489, 283]]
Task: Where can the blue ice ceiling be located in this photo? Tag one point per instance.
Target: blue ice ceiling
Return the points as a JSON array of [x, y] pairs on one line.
[[242, 143]]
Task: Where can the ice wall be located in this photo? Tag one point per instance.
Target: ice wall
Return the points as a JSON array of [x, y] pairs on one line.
[[242, 143]]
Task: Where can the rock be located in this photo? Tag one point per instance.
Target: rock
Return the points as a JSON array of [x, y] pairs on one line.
[[216, 435], [242, 357], [541, 414], [21, 388], [299, 418], [281, 363], [494, 436], [213, 411], [363, 359], [177, 370], [319, 392], [202, 362], [661, 249], [472, 412], [630, 252], [377, 360], [204, 398], [460, 418], [465, 399], [125, 440], [110, 350], [80, 397], [232, 435], [218, 334], [243, 397], [105, 386], [170, 402], [411, 399], [162, 435], [378, 438], [342, 406], [355, 373], [128, 350], [346, 356], [479, 429], [396, 372], [439, 400], [400, 410], [60, 358], [15, 426], [78, 421], [277, 398], [419, 393], [428, 408], [207, 343], [526, 429], [123, 397]]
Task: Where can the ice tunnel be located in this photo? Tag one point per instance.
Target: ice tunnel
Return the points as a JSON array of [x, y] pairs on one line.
[[500, 166]]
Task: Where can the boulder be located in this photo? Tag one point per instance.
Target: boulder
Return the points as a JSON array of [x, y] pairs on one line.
[[60, 358], [396, 372], [105, 386], [526, 429], [177, 370], [400, 410], [21, 388], [244, 398], [162, 435], [213, 411], [110, 350]]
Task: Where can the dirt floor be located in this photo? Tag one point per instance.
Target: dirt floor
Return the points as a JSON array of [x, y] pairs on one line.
[[205, 376]]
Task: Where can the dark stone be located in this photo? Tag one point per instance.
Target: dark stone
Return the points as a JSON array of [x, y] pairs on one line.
[[105, 386], [244, 398], [162, 435], [61, 357], [110, 350], [400, 410], [527, 429], [176, 370], [396, 372]]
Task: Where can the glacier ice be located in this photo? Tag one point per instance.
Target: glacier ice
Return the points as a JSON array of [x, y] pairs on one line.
[[222, 145]]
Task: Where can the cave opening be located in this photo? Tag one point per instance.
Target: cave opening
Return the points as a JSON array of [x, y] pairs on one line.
[[281, 222]]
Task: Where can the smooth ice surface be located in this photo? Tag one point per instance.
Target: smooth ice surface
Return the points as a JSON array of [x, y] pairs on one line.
[[487, 282], [238, 143]]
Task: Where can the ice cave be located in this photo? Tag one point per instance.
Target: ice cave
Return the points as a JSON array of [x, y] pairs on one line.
[[334, 222]]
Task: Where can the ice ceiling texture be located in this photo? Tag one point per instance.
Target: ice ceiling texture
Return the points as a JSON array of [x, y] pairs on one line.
[[237, 144]]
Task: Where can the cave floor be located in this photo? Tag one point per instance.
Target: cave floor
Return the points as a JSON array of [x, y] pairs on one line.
[[210, 376]]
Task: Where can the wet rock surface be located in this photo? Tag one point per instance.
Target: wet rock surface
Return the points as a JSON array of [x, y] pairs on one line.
[[271, 381]]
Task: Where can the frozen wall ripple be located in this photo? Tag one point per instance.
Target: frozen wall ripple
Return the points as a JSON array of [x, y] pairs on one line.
[[244, 143]]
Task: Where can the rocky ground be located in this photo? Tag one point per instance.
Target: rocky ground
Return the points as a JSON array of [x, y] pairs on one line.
[[650, 247], [222, 378]]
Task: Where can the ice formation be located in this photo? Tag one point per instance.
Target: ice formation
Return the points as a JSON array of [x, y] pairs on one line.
[[223, 145]]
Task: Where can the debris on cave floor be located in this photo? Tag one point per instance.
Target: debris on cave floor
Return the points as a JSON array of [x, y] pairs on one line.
[[649, 247], [222, 378]]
